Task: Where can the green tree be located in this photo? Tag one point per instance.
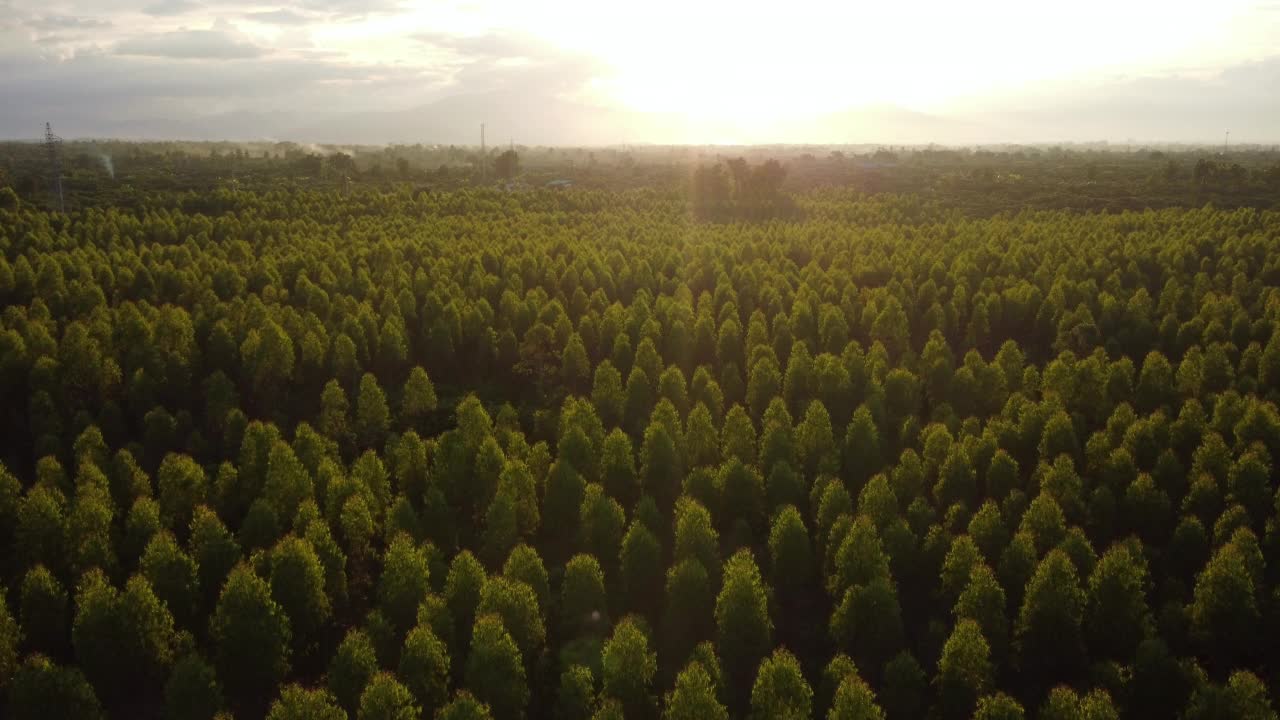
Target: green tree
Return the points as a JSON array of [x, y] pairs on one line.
[[1242, 696], [575, 366], [298, 703], [964, 670], [702, 443], [998, 707], [525, 565], [182, 487], [373, 418], [350, 668], [385, 698], [984, 602], [868, 622], [628, 667], [576, 699], [288, 483], [174, 576], [694, 697], [689, 609], [957, 481], [562, 499], [42, 612], [661, 466], [695, 536], [790, 554], [42, 689], [780, 690], [462, 588], [464, 706], [764, 384], [854, 700], [744, 631], [297, 584], [192, 691], [738, 436], [905, 686], [862, 453], [123, 641], [640, 563], [418, 400], [214, 550], [1048, 629], [501, 527], [816, 442], [859, 558], [618, 468], [10, 640], [607, 394], [251, 639], [334, 421], [1224, 611], [494, 671], [517, 606], [404, 583], [988, 530], [601, 522], [1063, 703], [1117, 617], [507, 165]]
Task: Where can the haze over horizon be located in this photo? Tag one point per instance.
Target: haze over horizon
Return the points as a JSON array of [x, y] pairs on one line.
[[582, 73]]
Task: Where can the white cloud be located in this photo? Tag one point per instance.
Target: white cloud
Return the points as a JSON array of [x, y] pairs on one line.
[[191, 45], [166, 8]]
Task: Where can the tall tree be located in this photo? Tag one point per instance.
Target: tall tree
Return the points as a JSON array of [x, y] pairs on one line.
[[495, 672], [744, 631], [964, 670], [1048, 629], [780, 690], [251, 639], [628, 667], [694, 697]]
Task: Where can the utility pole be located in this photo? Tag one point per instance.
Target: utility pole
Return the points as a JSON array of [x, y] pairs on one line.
[[482, 153], [1226, 143], [53, 146]]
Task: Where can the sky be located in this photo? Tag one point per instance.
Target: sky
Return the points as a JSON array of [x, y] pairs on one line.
[[661, 71]]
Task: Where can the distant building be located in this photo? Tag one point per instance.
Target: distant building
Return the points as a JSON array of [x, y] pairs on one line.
[[561, 183]]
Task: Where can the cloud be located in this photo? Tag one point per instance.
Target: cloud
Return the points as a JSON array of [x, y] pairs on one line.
[[514, 61], [103, 68], [190, 45], [350, 7], [1190, 106], [166, 8], [279, 17], [487, 45], [335, 10], [106, 94], [63, 23]]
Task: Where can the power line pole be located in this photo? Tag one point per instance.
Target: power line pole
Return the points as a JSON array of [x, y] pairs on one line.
[[482, 153], [53, 146]]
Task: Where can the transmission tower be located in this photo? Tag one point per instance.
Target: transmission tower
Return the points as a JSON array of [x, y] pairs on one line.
[[53, 147]]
